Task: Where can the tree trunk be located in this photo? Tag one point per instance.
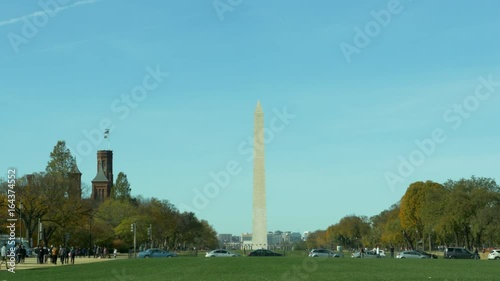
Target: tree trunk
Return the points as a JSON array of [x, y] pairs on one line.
[[408, 239], [467, 238]]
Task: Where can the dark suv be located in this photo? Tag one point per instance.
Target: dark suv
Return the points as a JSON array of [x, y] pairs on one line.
[[458, 253]]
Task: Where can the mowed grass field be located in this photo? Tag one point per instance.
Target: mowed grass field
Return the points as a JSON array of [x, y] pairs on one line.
[[265, 268]]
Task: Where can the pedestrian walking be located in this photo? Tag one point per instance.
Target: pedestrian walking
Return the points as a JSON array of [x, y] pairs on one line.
[[72, 255], [55, 251], [3, 253], [40, 254]]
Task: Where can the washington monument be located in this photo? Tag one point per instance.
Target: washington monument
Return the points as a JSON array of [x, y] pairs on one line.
[[259, 234]]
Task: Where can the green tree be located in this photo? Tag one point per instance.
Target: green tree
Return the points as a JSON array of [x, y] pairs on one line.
[[386, 227], [472, 207], [208, 236], [317, 239], [61, 161], [412, 205], [354, 227], [121, 189]]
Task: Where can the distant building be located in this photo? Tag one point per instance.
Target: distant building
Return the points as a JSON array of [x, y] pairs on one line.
[[75, 187], [246, 241], [236, 239], [103, 181], [274, 238], [224, 239], [306, 234], [295, 237]]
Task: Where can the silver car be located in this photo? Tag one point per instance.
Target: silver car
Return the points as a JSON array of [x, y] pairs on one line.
[[367, 254], [220, 253], [411, 255], [325, 253], [494, 255]]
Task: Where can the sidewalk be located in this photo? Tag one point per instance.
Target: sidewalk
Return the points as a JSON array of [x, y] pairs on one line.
[[31, 263]]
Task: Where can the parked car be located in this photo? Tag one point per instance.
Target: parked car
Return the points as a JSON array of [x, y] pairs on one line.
[[156, 253], [367, 254], [263, 252], [325, 253], [429, 256], [411, 255], [220, 253], [458, 253], [380, 252], [494, 254]]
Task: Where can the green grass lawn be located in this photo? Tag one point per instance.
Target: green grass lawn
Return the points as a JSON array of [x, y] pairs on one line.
[[266, 268]]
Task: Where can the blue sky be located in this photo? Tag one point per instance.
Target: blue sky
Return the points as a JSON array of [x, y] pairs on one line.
[[353, 121]]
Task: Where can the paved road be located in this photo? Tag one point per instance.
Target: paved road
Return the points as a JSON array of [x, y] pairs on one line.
[[32, 262]]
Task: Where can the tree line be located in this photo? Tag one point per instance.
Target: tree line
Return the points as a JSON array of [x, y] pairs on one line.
[[49, 198], [463, 213]]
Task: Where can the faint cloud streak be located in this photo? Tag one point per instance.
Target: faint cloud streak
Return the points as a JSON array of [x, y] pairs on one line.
[[39, 13]]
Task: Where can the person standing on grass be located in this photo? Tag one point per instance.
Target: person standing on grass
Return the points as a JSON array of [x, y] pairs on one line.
[[17, 254], [23, 253], [115, 251], [3, 253], [49, 252], [54, 254], [72, 254], [46, 254], [476, 253], [392, 251], [40, 254], [62, 253]]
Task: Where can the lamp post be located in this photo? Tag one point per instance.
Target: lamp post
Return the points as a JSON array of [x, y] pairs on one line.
[[133, 229], [39, 231], [90, 235], [21, 222]]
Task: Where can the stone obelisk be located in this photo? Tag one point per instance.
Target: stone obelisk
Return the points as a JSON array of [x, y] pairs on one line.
[[259, 234]]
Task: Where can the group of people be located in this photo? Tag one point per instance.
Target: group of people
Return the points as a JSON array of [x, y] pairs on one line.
[[103, 252], [65, 255], [20, 253], [377, 251]]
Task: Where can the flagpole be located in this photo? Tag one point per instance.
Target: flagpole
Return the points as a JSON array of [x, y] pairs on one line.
[[106, 136]]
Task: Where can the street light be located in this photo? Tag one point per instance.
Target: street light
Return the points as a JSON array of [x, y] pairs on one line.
[[21, 223], [133, 228], [40, 229], [90, 235]]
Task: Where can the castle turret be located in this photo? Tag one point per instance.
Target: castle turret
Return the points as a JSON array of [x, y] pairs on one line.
[[103, 181], [75, 187]]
